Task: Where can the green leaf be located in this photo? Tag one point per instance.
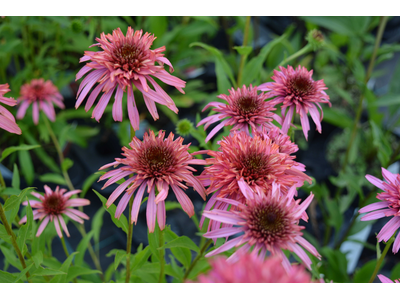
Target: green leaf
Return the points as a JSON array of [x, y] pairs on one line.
[[395, 274], [11, 257], [364, 273], [381, 144], [122, 222], [81, 249], [66, 164], [23, 272], [349, 26], [22, 234], [97, 222], [37, 258], [6, 277], [47, 272], [88, 183], [170, 205], [75, 271], [335, 217], [222, 68], [334, 265], [243, 50], [118, 257], [154, 243], [337, 117], [25, 161], [64, 268], [15, 201], [201, 267], [253, 68], [182, 241], [15, 183], [140, 258], [53, 178], [13, 149], [182, 254]]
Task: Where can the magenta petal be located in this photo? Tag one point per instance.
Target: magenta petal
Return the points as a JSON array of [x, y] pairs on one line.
[[43, 225], [375, 181], [151, 211]]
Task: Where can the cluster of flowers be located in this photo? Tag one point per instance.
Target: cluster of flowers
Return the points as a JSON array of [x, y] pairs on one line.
[[252, 178]]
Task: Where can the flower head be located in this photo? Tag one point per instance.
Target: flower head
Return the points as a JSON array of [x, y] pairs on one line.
[[42, 95], [387, 207], [245, 109], [384, 279], [155, 162], [296, 89], [7, 120], [125, 61], [257, 160], [269, 222], [249, 269], [53, 206]]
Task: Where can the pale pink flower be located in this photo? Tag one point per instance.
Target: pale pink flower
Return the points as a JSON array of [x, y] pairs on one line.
[[245, 109], [42, 95], [7, 120], [155, 162], [249, 269], [125, 61], [53, 206], [384, 279], [387, 207], [269, 222], [296, 89]]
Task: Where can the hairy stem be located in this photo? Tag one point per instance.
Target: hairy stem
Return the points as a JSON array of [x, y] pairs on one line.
[[194, 262], [379, 263], [13, 240]]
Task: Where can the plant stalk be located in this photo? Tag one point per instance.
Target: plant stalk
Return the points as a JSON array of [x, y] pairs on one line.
[[379, 263], [243, 57], [194, 262], [13, 240], [130, 231], [66, 251], [162, 254]]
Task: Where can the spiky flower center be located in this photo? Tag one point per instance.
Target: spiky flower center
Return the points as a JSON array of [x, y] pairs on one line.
[[53, 204], [157, 160], [128, 56], [247, 104], [254, 166], [37, 92], [300, 86], [268, 223]]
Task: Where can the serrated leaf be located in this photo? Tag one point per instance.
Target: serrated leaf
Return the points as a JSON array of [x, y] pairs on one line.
[[37, 258], [13, 149], [122, 222], [75, 271], [182, 241]]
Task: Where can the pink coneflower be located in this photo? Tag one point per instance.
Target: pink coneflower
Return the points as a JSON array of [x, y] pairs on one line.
[[156, 163], [7, 120], [249, 269], [269, 223], [384, 279], [126, 60], [297, 89], [245, 109], [388, 206], [41, 94], [53, 206], [255, 159]]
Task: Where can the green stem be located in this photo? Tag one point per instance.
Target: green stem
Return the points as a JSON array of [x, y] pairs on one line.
[[379, 263], [2, 182], [162, 254], [381, 29], [13, 240], [307, 48], [194, 262], [130, 232], [243, 57], [66, 251]]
